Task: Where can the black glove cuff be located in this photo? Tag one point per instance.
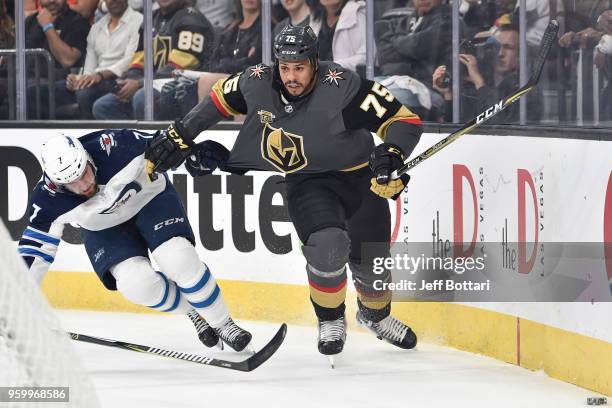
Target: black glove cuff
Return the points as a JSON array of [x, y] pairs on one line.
[[387, 155], [180, 135]]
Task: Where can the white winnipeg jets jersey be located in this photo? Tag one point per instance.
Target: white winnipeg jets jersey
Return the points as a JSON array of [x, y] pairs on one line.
[[123, 190]]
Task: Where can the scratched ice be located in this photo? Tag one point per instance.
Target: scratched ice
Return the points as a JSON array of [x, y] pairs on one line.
[[369, 373]]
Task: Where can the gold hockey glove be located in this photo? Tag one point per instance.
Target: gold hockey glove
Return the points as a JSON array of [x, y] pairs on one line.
[[390, 190]]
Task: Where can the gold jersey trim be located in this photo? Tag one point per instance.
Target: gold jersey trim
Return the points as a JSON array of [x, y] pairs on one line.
[[218, 90], [357, 167], [402, 113]]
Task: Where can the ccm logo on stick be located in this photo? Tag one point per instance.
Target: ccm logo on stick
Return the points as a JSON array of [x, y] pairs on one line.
[[489, 112], [168, 222]]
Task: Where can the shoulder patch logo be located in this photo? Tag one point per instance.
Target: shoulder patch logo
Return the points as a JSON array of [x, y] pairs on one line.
[[257, 71], [107, 141], [333, 76], [265, 116], [284, 150]]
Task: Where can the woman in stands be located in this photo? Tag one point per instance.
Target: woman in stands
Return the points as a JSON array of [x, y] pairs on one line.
[[239, 46], [341, 27]]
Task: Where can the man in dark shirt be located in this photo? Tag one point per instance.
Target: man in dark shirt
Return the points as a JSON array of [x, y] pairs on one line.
[[488, 91], [62, 32], [413, 48]]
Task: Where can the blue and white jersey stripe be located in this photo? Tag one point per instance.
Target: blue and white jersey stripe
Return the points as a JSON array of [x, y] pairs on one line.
[[40, 236], [36, 252]]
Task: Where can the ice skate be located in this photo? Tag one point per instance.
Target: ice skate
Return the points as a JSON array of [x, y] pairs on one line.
[[332, 335], [234, 336], [391, 330], [206, 334]]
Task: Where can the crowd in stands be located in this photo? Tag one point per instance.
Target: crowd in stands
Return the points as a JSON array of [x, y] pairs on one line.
[[97, 46]]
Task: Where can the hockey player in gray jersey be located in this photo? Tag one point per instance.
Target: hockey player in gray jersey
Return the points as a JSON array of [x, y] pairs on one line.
[[99, 182], [312, 120]]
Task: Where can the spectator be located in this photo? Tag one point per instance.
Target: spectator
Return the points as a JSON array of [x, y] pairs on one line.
[[539, 14], [278, 11], [7, 40], [480, 15], [219, 12], [505, 81], [30, 7], [240, 43], [111, 44], [584, 14], [139, 6], [184, 40], [135, 5], [382, 6], [239, 47], [7, 28], [409, 51], [299, 14], [86, 8], [342, 33], [585, 35], [61, 31], [603, 61]]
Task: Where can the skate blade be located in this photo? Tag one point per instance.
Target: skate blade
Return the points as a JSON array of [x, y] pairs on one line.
[[332, 361], [219, 345], [249, 349]]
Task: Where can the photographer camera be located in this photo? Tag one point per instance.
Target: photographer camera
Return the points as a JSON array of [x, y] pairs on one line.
[[476, 71], [488, 89]]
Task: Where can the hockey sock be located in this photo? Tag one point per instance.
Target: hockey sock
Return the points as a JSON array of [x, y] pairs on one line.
[[327, 292], [374, 304], [139, 283], [327, 313], [203, 293], [170, 298], [374, 314]]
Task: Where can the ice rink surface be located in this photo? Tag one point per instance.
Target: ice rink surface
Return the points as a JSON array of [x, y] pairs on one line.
[[369, 373]]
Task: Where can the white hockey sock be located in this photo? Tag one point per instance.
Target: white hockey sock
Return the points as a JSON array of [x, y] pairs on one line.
[[203, 293], [138, 282], [170, 298]]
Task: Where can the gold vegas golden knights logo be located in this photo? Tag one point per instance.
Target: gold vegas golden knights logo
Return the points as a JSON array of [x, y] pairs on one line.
[[162, 45], [283, 150]]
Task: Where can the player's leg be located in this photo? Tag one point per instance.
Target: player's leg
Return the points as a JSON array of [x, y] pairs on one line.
[[164, 225], [370, 230], [318, 216], [120, 258]]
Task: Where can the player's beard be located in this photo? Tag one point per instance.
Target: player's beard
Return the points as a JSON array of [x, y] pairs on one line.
[[305, 88], [291, 90]]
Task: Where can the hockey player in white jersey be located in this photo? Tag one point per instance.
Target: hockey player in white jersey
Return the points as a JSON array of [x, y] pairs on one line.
[[99, 182]]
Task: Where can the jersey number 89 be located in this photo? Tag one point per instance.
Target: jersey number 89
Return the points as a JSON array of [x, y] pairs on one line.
[[191, 41], [371, 100]]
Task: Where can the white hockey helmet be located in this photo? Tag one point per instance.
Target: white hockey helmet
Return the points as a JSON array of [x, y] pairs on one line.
[[64, 159]]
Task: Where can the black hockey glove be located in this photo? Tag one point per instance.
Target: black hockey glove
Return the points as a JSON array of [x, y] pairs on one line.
[[168, 149], [206, 157], [385, 159]]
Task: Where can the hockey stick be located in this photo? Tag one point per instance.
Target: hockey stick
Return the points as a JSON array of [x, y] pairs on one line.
[[249, 364], [550, 35]]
